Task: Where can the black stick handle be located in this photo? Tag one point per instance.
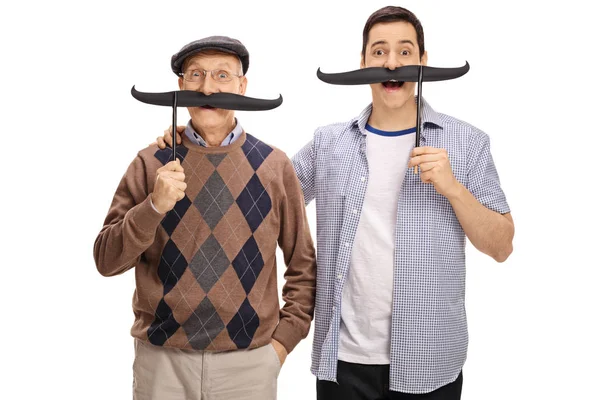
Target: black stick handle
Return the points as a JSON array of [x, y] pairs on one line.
[[174, 129], [419, 96]]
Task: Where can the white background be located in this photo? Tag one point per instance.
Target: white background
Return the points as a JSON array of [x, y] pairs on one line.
[[69, 129]]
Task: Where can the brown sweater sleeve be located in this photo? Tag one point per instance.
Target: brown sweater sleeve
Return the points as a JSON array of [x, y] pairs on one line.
[[130, 226], [299, 255]]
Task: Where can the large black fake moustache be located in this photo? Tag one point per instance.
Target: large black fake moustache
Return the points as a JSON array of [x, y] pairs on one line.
[[190, 98], [407, 73]]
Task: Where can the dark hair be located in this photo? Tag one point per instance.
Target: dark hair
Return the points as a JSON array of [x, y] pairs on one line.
[[392, 14]]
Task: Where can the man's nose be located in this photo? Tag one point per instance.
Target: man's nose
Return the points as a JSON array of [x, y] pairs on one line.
[[392, 62], [208, 85]]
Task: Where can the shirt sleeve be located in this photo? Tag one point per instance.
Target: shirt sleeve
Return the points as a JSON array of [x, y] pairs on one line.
[[130, 225], [483, 179]]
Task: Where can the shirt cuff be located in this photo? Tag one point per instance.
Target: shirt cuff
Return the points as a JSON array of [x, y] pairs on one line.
[[152, 204]]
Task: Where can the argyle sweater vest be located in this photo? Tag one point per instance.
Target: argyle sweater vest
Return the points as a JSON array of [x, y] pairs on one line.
[[206, 274]]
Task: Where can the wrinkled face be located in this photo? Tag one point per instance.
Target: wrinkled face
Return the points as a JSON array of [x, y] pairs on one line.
[[392, 45], [225, 77]]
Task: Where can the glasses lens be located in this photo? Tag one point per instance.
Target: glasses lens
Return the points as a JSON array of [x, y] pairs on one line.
[[221, 75], [193, 75]]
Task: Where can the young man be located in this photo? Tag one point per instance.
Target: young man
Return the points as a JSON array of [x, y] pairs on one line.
[[390, 319], [202, 234]]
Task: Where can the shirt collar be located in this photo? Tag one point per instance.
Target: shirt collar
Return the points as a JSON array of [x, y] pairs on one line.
[[195, 137], [429, 116]]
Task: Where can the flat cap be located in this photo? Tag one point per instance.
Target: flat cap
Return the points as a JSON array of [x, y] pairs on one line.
[[221, 43]]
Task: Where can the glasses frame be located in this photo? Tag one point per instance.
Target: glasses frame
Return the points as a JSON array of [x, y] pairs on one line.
[[213, 72]]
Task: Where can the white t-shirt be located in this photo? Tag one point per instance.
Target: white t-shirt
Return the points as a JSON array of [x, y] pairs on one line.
[[365, 329]]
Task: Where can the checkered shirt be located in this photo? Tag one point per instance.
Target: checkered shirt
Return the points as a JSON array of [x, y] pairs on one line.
[[429, 327]]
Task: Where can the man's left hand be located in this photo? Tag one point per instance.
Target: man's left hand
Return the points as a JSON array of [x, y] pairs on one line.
[[280, 350], [435, 169]]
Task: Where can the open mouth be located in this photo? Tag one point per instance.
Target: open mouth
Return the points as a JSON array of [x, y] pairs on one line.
[[392, 84]]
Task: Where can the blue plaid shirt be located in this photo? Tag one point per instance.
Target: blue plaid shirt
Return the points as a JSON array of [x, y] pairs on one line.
[[429, 326]]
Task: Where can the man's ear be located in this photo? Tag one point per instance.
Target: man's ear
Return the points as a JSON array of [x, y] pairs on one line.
[[243, 84], [180, 82], [424, 58]]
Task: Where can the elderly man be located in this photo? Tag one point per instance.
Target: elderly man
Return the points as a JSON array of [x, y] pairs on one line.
[[202, 233], [390, 319]]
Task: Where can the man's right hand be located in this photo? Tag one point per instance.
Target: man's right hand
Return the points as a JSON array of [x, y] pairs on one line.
[[167, 138], [169, 187]]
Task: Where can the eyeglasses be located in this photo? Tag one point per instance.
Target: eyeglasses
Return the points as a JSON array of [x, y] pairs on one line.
[[198, 75]]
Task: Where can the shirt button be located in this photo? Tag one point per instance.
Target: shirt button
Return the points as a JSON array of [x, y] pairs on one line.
[[347, 244], [355, 211], [362, 178], [339, 276]]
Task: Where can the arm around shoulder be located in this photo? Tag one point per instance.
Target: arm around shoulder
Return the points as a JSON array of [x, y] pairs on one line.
[[304, 163]]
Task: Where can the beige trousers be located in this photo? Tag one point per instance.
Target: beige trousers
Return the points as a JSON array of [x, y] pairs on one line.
[[161, 373]]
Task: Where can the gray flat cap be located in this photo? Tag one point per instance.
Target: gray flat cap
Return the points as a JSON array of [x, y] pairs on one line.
[[221, 43]]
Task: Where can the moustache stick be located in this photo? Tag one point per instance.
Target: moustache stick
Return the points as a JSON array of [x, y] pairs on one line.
[[407, 73], [419, 96], [190, 98]]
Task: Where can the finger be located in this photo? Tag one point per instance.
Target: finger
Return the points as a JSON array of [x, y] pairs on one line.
[[180, 194], [175, 175], [417, 151], [418, 160], [426, 177], [169, 134], [429, 166], [180, 130], [181, 186], [172, 186], [173, 166], [168, 138], [160, 142]]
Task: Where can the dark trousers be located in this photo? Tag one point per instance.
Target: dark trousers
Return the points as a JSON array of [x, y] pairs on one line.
[[371, 382]]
